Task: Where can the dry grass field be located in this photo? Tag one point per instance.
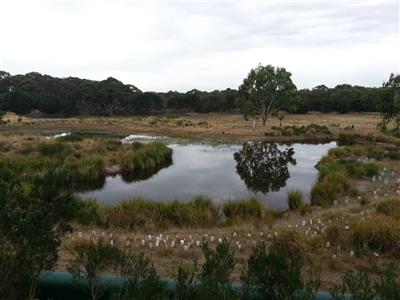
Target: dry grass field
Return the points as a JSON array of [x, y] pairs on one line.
[[212, 125]]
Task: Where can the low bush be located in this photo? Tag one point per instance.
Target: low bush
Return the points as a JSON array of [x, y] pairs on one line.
[[141, 279], [92, 260], [86, 212], [215, 274], [273, 275], [381, 283]]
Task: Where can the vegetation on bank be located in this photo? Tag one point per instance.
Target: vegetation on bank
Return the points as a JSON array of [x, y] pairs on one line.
[[85, 160], [201, 212], [340, 166], [308, 130]]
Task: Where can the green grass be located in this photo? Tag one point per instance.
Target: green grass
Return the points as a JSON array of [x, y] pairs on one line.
[[146, 157]]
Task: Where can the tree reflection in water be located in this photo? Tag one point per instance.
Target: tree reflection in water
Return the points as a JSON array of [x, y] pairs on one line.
[[129, 177], [263, 167]]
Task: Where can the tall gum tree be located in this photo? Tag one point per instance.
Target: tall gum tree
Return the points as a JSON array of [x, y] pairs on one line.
[[264, 90]]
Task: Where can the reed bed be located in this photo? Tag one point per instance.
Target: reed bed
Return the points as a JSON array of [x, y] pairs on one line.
[[200, 212]]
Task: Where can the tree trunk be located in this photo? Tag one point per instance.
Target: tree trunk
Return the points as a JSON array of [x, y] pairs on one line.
[[264, 120]]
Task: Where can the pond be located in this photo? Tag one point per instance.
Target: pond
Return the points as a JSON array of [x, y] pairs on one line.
[[221, 171]]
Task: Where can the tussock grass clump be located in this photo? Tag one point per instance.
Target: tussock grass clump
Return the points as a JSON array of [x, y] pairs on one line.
[[244, 209], [370, 151], [337, 235], [378, 233], [329, 187], [146, 157], [290, 243], [389, 207], [295, 199], [84, 170]]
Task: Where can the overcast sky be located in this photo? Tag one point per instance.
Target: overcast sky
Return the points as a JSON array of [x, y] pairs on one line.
[[181, 45]]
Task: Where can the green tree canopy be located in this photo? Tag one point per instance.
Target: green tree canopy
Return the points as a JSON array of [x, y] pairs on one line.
[[263, 91]]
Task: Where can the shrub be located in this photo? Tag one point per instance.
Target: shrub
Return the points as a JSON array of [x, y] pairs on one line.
[[91, 261], [271, 275], [384, 284], [185, 283], [358, 284], [295, 199], [214, 277], [34, 216], [388, 285], [86, 212], [378, 233], [141, 279]]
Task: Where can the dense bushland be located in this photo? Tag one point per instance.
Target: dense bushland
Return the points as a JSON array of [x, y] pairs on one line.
[[74, 96]]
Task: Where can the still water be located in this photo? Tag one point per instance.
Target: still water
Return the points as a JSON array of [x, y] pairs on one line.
[[222, 171]]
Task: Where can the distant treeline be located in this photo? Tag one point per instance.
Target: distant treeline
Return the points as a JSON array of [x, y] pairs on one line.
[[74, 96]]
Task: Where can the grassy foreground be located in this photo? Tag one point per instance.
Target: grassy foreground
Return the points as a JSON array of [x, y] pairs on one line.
[[352, 224]]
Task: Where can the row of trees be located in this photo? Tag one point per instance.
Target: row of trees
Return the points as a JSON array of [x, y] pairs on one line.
[[74, 96]]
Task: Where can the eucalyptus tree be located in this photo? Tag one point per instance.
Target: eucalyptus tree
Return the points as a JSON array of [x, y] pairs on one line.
[[390, 102], [264, 90]]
